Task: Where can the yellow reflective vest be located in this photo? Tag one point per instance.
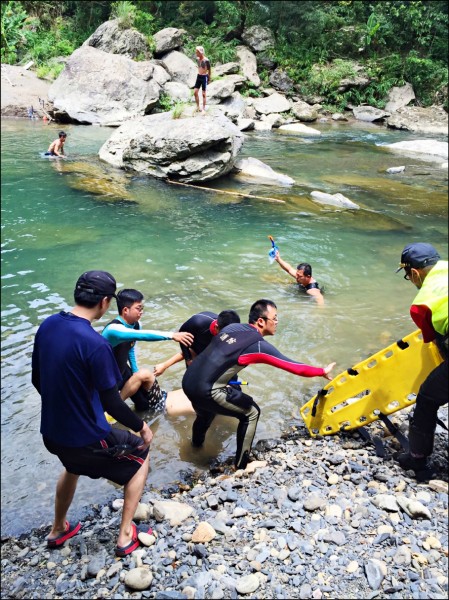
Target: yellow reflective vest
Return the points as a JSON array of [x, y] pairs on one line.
[[430, 307]]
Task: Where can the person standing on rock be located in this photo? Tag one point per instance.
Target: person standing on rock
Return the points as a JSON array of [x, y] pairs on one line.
[[76, 374], [203, 77], [209, 380], [423, 267], [303, 276]]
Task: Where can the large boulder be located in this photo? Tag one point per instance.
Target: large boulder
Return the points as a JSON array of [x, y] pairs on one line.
[[398, 97], [180, 67], [356, 81], [177, 92], [304, 112], [369, 113], [189, 149], [248, 64], [253, 169], [276, 103], [104, 89], [168, 39], [230, 68], [333, 200], [234, 107], [425, 147], [281, 81], [219, 90], [258, 38], [300, 129], [420, 120], [113, 38]]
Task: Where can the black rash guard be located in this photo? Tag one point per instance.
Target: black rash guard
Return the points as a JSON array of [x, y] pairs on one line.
[[311, 286], [199, 326]]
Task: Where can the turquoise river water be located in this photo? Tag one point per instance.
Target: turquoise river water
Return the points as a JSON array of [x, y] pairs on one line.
[[190, 250]]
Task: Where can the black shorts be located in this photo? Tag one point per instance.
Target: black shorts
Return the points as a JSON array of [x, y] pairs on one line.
[[85, 461], [201, 82]]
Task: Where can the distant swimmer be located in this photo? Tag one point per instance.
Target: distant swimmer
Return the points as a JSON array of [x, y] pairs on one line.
[[303, 276], [56, 148]]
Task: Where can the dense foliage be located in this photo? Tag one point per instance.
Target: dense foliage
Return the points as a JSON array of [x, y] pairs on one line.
[[317, 41]]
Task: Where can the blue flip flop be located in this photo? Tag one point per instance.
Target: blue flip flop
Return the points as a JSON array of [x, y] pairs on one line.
[[70, 531]]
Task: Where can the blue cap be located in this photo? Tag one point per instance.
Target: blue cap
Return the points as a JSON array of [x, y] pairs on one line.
[[418, 256]]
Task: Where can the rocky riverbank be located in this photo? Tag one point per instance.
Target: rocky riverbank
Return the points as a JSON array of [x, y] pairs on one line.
[[322, 518]]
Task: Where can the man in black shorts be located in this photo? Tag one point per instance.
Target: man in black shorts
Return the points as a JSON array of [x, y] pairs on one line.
[[203, 78], [76, 374]]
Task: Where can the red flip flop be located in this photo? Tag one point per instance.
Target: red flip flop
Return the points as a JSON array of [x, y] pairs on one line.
[[70, 531], [133, 544]]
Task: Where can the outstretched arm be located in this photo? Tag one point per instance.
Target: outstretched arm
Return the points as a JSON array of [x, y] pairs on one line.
[[285, 265], [161, 367], [263, 352], [116, 333]]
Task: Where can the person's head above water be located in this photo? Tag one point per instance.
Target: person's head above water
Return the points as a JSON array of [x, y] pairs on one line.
[[303, 273], [62, 134]]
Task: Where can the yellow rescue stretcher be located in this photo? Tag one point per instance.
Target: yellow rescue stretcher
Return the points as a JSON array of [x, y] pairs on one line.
[[382, 384]]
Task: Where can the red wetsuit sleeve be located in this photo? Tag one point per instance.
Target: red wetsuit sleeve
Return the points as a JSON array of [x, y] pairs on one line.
[[263, 352], [422, 316]]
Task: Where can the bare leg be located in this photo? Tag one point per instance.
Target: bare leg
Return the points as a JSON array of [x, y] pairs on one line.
[[65, 490], [204, 102], [197, 99], [143, 377], [132, 495], [177, 404]]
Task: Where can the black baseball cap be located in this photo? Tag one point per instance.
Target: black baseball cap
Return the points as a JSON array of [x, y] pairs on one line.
[[98, 283], [418, 256]]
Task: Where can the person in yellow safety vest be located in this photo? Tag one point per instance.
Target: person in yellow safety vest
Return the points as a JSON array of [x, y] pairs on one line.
[[423, 267]]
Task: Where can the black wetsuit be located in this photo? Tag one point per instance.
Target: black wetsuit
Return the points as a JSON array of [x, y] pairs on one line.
[[199, 326], [206, 382]]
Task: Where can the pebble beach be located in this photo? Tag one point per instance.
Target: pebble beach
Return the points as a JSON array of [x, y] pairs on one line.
[[308, 518]]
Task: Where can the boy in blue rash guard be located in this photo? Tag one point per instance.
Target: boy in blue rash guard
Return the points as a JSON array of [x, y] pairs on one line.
[[122, 333]]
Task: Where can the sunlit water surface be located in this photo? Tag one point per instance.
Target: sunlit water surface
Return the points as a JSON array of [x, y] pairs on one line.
[[190, 250]]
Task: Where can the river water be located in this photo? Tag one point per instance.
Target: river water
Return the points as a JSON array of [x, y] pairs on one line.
[[189, 250]]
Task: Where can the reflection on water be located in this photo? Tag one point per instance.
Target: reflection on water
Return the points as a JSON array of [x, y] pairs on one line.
[[191, 250]]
